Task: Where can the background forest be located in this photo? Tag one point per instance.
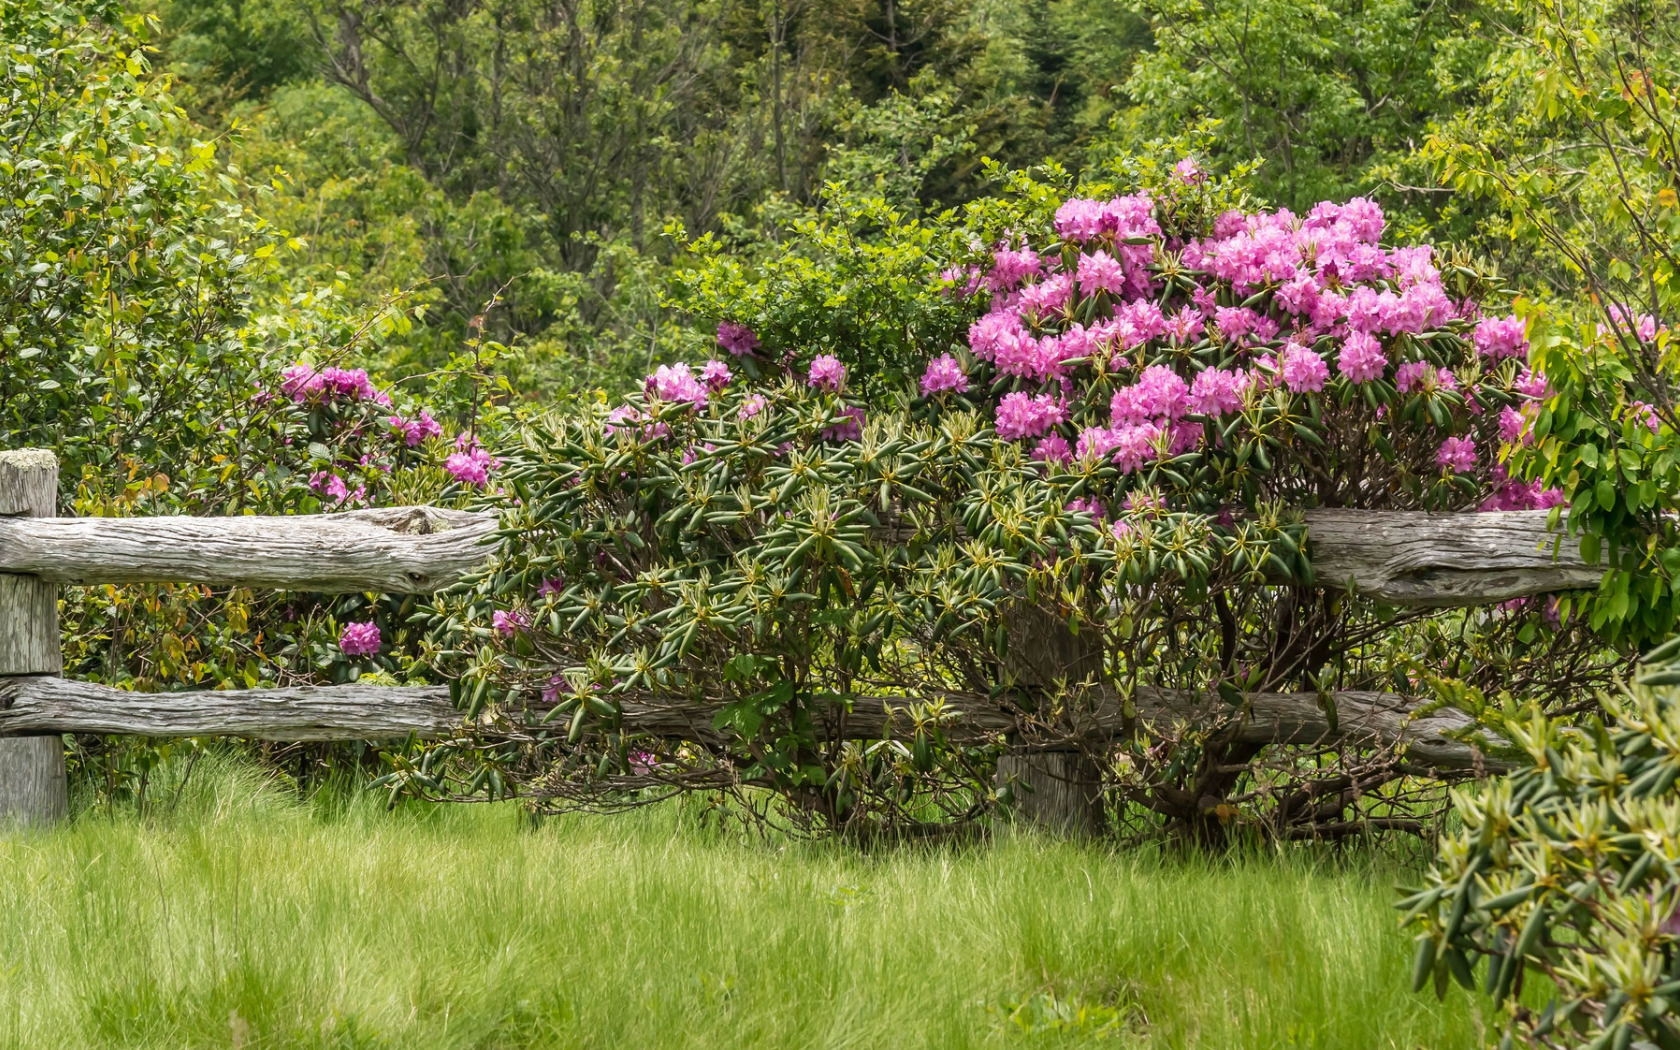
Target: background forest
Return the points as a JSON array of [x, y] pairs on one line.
[[537, 168]]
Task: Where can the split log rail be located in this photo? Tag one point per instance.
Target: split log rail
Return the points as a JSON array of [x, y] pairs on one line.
[[1413, 559]]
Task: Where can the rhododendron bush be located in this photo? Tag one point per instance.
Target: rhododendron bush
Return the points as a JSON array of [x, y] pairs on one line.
[[728, 582]]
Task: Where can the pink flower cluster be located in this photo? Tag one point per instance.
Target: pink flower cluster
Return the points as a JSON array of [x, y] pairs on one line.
[[1511, 494], [850, 430], [1642, 327], [1499, 337], [676, 383], [1023, 415], [414, 431], [507, 624], [1270, 300], [827, 373], [738, 339], [1457, 454], [470, 464], [716, 375], [303, 383], [1302, 370], [329, 485], [944, 373], [359, 639]]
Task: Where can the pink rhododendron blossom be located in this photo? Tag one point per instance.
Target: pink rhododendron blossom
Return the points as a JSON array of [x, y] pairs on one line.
[[1511, 494], [1135, 445], [302, 383], [1421, 376], [1159, 394], [1498, 337], [1235, 322], [1302, 370], [751, 407], [1101, 272], [1010, 268], [1532, 384], [1095, 443], [1186, 325], [827, 373], [1088, 506], [1189, 172], [1053, 449], [943, 373], [738, 339], [470, 464], [1216, 391], [551, 586], [1457, 454], [1362, 358], [359, 639], [1183, 437], [414, 431], [1643, 327], [961, 280], [328, 484], [716, 375], [1514, 424], [1080, 220], [1021, 415], [508, 624], [1645, 413], [1049, 296], [676, 384], [621, 414]]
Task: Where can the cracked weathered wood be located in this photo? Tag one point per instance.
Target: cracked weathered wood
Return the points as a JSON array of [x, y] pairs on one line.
[[393, 550], [1056, 791], [341, 712], [1402, 557], [1365, 719], [40, 704], [33, 786], [1425, 559]]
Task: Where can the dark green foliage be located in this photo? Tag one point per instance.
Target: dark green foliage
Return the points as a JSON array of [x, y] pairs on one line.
[[1569, 868]]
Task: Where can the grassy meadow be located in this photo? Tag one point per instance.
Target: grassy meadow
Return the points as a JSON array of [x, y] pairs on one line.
[[243, 917]]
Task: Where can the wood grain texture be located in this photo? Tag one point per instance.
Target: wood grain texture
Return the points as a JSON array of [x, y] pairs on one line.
[[28, 482], [33, 786], [393, 550], [1401, 557], [1058, 792], [38, 704], [1417, 558], [348, 712]]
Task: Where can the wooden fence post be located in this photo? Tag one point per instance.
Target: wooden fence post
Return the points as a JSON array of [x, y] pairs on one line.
[[33, 789], [1057, 791]]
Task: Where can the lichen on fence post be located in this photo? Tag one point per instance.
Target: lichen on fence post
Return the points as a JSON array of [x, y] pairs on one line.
[[33, 788]]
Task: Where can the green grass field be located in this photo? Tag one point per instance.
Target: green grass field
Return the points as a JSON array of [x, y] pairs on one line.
[[245, 918]]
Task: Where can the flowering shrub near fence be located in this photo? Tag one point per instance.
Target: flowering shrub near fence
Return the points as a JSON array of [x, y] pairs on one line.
[[1153, 385]]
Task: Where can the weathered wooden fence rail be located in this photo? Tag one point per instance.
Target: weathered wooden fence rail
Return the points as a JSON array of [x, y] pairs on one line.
[[1415, 559]]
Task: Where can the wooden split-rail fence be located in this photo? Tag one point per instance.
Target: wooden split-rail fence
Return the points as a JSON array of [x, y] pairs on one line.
[[1404, 558]]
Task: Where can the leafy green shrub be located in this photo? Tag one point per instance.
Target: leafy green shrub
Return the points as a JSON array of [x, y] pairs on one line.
[[1569, 868], [1144, 403], [142, 342]]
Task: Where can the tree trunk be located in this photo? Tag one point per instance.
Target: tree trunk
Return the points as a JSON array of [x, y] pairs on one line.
[[33, 789]]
